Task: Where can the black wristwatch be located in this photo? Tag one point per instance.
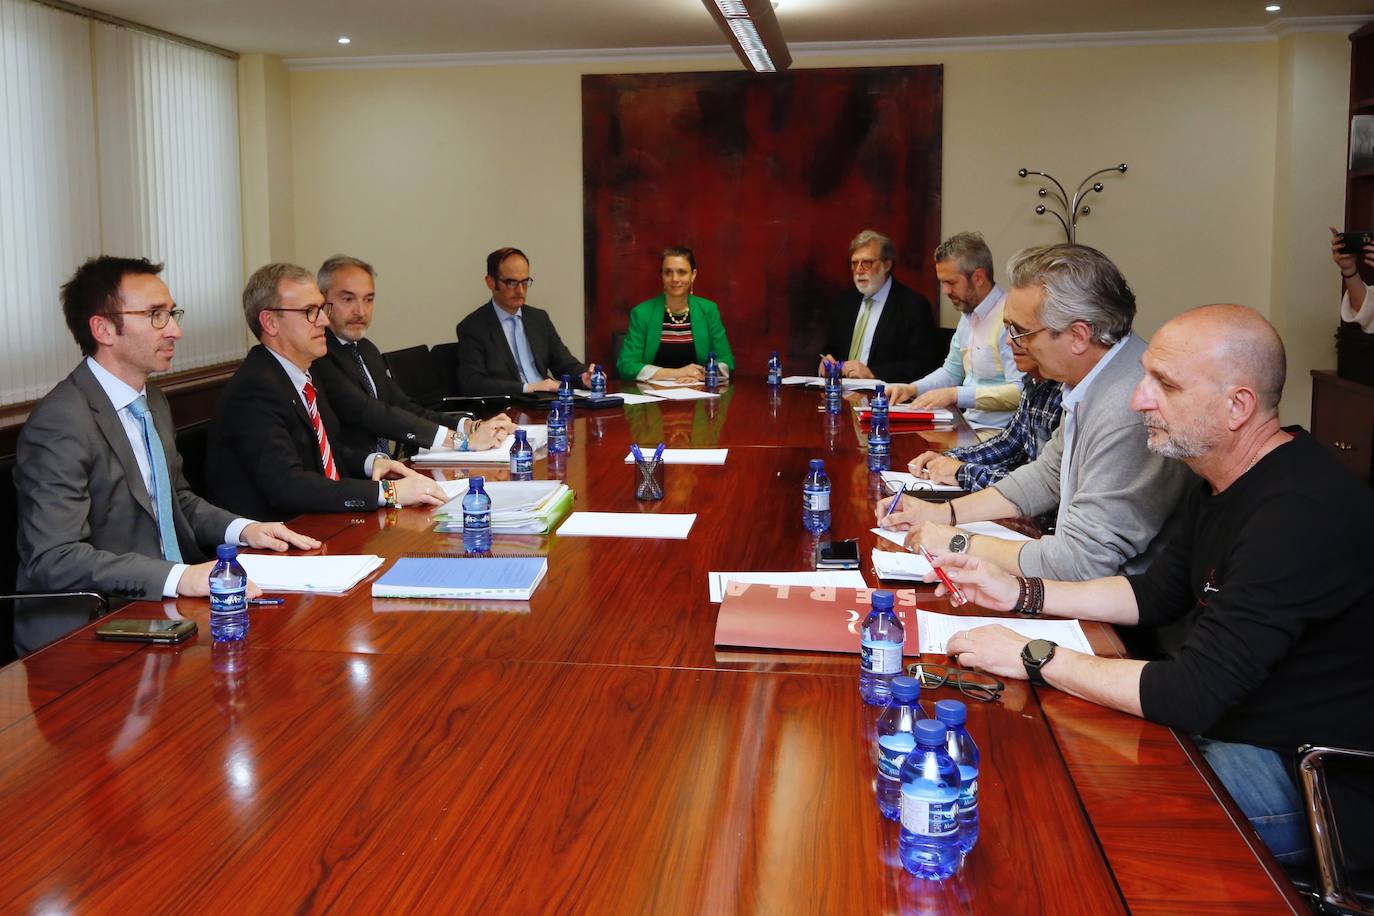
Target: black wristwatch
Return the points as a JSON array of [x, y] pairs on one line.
[[1034, 655], [960, 543]]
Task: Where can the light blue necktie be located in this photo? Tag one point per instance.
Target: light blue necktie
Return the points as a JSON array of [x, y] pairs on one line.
[[524, 359], [162, 486]]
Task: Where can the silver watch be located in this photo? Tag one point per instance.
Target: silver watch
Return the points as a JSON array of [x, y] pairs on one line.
[[960, 543]]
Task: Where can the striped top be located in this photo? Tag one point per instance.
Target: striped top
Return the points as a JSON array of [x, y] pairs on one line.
[[676, 349]]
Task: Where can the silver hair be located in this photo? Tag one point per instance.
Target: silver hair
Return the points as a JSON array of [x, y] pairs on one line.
[[868, 236], [969, 251], [325, 276], [1080, 284], [263, 293]]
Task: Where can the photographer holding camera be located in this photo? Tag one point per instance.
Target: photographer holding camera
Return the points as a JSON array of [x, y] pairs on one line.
[[1355, 289]]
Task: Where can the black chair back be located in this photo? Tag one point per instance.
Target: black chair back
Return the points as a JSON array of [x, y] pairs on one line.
[[445, 356], [414, 370], [192, 444], [617, 344]]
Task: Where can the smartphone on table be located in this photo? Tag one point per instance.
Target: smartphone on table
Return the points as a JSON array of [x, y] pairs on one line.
[[159, 631]]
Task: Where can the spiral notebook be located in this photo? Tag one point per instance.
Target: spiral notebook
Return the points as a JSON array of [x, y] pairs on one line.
[[462, 577]]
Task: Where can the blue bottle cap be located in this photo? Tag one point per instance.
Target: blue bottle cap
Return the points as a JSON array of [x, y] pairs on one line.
[[775, 352], [951, 712], [817, 464], [906, 689], [930, 733], [475, 484], [881, 388], [226, 551], [884, 599], [520, 435]]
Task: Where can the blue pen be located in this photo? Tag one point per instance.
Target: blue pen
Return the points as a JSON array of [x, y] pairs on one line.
[[634, 450], [266, 600], [893, 505], [658, 453]]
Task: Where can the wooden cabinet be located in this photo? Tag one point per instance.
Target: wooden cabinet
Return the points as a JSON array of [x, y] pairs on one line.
[[1343, 420]]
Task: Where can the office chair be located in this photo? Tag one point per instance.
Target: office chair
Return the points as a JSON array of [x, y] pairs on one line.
[[1337, 890]]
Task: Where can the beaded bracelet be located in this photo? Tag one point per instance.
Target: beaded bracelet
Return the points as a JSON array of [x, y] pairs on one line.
[[389, 493]]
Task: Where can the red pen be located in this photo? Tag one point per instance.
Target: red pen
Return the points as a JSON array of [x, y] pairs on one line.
[[956, 597]]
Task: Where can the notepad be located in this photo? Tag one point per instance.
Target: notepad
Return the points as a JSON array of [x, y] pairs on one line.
[[911, 482], [538, 436], [685, 455], [935, 630], [900, 565], [837, 578], [462, 577], [990, 529], [848, 384], [666, 525], [684, 394], [332, 575]]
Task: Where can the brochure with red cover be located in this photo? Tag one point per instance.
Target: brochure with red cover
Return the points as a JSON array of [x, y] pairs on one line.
[[814, 617], [901, 415]]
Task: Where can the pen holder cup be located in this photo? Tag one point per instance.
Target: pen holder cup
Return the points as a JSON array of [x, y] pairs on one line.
[[648, 480]]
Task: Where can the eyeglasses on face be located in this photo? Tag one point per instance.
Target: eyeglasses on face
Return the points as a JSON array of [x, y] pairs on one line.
[[975, 686], [858, 264], [1016, 338], [158, 318], [311, 312], [511, 283]]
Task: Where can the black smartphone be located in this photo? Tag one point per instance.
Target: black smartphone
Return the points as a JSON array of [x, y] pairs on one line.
[[161, 631], [1354, 242], [837, 554]]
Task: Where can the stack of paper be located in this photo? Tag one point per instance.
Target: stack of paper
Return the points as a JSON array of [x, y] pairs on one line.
[[834, 578], [990, 529], [326, 575], [911, 483], [848, 384], [935, 630], [628, 525], [517, 506], [685, 455], [900, 565], [538, 437], [462, 577]]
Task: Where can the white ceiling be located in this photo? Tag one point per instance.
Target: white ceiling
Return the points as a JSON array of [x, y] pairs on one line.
[[309, 28]]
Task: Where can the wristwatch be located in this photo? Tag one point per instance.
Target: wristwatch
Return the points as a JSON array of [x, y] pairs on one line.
[[1034, 655], [960, 543]]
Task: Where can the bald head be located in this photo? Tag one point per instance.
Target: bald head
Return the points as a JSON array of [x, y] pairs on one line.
[[1237, 346]]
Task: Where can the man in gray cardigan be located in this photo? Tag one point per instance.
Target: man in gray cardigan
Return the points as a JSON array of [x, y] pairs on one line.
[[1071, 309]]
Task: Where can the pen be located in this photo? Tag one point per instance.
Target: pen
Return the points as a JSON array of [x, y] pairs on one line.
[[893, 505], [956, 597], [634, 450], [266, 600], [658, 453]]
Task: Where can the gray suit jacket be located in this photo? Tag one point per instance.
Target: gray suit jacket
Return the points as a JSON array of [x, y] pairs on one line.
[[1119, 493], [86, 520]]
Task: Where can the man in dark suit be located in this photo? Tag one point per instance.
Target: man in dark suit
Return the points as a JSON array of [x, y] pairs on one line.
[[370, 406], [887, 330], [103, 503], [276, 449], [506, 346]]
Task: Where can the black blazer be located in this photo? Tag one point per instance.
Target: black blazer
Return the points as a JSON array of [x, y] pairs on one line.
[[487, 366], [363, 418], [262, 460], [906, 344]]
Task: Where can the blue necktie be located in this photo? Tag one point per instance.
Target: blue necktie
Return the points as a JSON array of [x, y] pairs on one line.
[[162, 481]]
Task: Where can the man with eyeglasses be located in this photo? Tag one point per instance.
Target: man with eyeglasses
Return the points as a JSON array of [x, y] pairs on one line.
[[1072, 310], [979, 374], [276, 448], [370, 406], [103, 503], [1266, 561], [886, 331], [508, 347]]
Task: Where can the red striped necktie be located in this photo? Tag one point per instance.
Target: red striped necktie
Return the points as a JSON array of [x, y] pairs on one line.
[[326, 456]]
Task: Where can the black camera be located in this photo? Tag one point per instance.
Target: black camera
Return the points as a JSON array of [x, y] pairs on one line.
[[1354, 242]]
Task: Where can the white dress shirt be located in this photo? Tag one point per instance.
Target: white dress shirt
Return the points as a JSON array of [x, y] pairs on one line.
[[1073, 396]]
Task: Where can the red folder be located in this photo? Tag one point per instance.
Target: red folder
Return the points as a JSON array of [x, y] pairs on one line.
[[804, 617]]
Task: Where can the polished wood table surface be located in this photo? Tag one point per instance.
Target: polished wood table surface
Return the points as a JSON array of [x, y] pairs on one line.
[[590, 750]]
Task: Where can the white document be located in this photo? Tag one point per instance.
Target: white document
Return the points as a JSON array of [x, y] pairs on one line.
[[632, 399], [836, 578], [669, 383], [848, 384], [685, 455], [506, 495], [684, 394], [329, 575], [990, 529], [934, 630], [911, 482], [667, 525], [537, 435], [900, 564]]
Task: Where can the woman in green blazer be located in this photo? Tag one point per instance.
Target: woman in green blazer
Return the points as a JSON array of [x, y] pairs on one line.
[[671, 335]]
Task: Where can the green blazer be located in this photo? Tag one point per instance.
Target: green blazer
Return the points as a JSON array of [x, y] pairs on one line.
[[646, 333]]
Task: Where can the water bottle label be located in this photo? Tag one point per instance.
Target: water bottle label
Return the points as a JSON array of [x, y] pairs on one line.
[[476, 522], [929, 817], [968, 790], [230, 602], [880, 658], [892, 751], [522, 463], [816, 500]]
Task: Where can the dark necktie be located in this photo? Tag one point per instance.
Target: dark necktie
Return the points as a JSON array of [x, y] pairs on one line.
[[383, 445]]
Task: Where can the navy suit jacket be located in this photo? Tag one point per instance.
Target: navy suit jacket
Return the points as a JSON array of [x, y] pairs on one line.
[[906, 344], [487, 366], [364, 418]]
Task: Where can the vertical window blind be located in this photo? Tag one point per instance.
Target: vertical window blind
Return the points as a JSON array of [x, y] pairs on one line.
[[145, 164]]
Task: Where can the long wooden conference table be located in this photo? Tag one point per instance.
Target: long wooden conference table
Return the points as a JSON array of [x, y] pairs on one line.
[[590, 750]]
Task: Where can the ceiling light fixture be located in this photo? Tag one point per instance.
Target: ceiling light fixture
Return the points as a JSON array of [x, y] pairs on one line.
[[754, 33], [345, 40], [1272, 8]]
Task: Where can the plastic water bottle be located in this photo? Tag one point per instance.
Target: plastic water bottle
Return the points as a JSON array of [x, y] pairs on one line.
[[774, 371], [834, 389], [598, 382], [477, 517], [521, 457], [879, 406], [880, 650], [960, 745], [896, 739], [565, 398], [558, 430], [228, 596], [816, 499], [879, 444], [712, 372], [929, 842]]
